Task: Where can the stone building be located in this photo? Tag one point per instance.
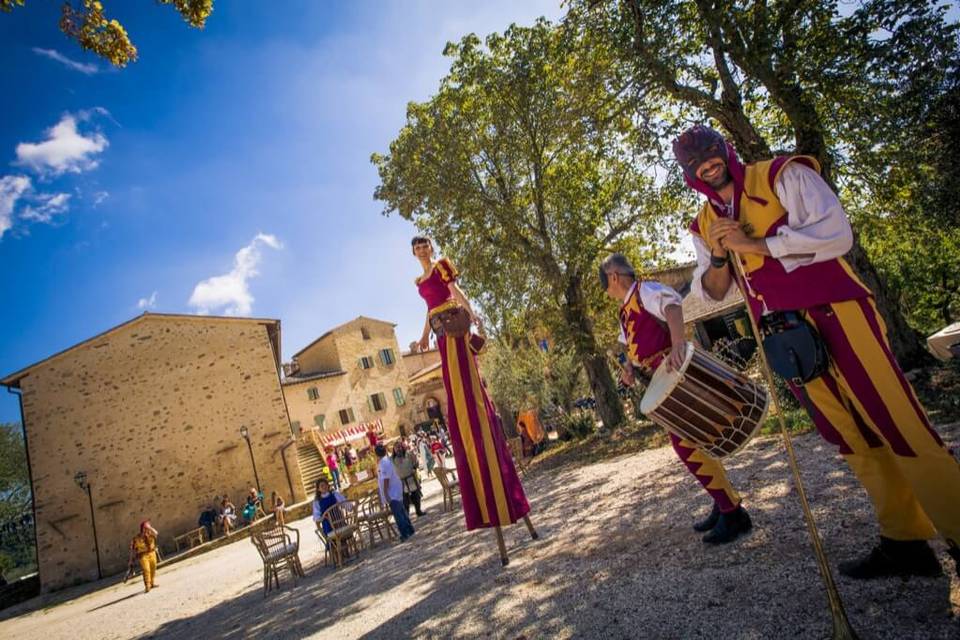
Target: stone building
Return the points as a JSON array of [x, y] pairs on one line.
[[345, 382], [710, 321], [353, 378], [150, 411], [428, 400]]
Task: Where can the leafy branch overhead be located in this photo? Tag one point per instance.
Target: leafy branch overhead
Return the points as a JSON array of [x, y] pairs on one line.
[[89, 26], [530, 162]]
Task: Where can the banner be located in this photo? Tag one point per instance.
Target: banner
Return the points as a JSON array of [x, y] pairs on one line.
[[347, 434]]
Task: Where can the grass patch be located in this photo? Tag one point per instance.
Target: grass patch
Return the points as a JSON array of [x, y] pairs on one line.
[[796, 419]]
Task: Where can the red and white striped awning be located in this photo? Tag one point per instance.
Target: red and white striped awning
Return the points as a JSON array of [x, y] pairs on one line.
[[351, 433]]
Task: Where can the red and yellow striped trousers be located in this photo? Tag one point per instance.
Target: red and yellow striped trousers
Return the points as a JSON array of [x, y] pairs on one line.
[[868, 410]]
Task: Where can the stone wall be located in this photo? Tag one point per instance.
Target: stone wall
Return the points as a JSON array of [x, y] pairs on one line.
[[151, 412], [354, 387]]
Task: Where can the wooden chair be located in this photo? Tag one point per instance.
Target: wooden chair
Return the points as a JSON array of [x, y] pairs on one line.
[[449, 484], [343, 536], [516, 450], [278, 550], [374, 518]]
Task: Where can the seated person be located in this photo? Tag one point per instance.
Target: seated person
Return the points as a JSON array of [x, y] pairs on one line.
[[253, 507], [324, 499], [227, 516], [208, 517]]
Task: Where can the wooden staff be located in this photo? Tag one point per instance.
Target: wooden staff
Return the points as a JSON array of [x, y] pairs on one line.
[[841, 626]]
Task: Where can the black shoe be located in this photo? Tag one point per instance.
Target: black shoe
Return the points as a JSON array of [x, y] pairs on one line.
[[729, 527], [710, 521], [954, 550], [890, 558]]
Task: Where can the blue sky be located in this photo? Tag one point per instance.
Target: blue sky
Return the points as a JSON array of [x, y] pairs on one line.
[[226, 171]]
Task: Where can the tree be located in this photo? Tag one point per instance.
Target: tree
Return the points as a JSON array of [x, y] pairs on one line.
[[526, 165], [522, 375], [93, 31], [15, 496], [783, 74]]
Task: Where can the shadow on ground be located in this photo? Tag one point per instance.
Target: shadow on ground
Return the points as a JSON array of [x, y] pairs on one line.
[[617, 559]]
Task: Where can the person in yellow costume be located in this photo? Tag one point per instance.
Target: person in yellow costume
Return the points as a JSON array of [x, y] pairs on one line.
[[144, 548], [528, 424]]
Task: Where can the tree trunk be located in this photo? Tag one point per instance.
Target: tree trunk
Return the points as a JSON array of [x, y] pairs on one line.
[[906, 344], [595, 364]]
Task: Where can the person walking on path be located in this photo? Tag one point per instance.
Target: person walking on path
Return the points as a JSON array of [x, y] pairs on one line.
[[143, 546], [391, 492], [405, 462]]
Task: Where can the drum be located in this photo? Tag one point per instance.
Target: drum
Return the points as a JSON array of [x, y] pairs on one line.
[[706, 402]]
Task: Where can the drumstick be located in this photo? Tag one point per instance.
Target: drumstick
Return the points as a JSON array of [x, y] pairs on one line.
[[841, 626]]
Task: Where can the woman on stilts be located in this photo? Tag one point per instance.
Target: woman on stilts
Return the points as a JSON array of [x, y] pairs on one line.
[[490, 489]]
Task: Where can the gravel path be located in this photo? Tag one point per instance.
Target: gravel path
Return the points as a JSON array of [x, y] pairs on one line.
[[617, 559]]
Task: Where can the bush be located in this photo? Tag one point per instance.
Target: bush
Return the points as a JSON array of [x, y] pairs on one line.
[[577, 425]]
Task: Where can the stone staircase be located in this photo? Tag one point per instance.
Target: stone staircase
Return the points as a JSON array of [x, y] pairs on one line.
[[312, 467]]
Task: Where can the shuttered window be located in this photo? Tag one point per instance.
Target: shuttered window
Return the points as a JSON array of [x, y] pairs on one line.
[[398, 397], [377, 402]]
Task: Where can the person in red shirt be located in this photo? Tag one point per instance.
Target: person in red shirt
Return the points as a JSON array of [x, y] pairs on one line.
[[436, 450], [372, 437]]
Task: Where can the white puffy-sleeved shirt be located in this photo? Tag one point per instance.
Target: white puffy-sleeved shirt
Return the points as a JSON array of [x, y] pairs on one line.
[[655, 297], [817, 228]]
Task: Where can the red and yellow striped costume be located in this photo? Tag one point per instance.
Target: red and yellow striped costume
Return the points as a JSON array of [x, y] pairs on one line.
[[863, 405], [648, 342]]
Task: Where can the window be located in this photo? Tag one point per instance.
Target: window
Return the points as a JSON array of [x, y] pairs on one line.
[[377, 402], [346, 416], [318, 420], [366, 362], [364, 333], [312, 393], [386, 357], [398, 397], [295, 427]]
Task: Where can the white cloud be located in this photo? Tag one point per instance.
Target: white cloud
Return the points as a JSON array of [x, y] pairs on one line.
[[47, 205], [65, 149], [11, 189], [99, 197], [147, 303], [229, 292], [53, 54]]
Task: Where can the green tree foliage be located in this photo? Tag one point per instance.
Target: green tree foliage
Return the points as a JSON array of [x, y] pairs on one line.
[[527, 165], [88, 25], [846, 83], [522, 376], [14, 479], [17, 555]]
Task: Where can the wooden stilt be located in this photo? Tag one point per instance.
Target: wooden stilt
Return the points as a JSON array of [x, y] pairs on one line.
[[533, 532], [504, 560]]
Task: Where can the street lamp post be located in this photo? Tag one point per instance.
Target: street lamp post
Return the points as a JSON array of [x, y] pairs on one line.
[[246, 436], [81, 479]]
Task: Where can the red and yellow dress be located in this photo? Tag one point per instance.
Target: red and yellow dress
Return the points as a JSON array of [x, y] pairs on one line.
[[490, 489]]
